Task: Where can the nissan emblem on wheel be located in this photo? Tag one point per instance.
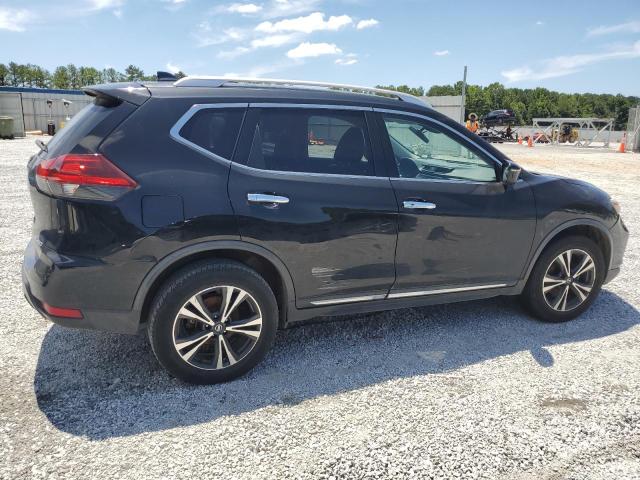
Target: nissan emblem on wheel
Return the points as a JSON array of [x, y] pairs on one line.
[[210, 212]]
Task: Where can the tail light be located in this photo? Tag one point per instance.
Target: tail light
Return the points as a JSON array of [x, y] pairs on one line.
[[83, 176]]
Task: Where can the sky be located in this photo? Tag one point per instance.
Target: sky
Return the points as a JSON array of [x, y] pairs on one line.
[[588, 46]]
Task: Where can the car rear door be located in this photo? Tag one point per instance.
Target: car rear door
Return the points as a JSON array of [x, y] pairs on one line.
[[460, 227], [305, 184]]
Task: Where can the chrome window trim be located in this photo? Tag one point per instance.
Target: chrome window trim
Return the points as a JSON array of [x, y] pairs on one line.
[[319, 106], [175, 130], [455, 132], [420, 293], [308, 174]]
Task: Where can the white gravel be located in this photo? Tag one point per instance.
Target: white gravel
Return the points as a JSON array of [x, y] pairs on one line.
[[473, 390]]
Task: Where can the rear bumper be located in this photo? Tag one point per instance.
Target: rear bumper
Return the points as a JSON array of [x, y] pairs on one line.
[[39, 272]]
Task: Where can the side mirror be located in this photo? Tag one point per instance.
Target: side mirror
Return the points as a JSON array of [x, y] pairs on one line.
[[511, 174]]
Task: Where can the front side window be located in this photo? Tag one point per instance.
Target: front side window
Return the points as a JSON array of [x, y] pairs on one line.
[[424, 150], [214, 129], [312, 141]]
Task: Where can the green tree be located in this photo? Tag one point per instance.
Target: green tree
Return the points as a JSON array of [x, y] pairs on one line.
[[15, 74], [4, 75], [133, 73], [41, 78], [111, 75], [88, 76], [61, 78], [74, 76], [417, 91]]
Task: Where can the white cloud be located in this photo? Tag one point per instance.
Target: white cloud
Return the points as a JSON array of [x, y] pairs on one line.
[[268, 8], [261, 70], [372, 22], [281, 8], [118, 12], [173, 68], [441, 53], [311, 23], [539, 23], [105, 4], [306, 49], [205, 36], [236, 52], [628, 27], [256, 43], [14, 19], [173, 5], [272, 41], [346, 61], [244, 8], [567, 65]]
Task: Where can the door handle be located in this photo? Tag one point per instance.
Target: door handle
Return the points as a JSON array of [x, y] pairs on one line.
[[271, 201], [418, 205]]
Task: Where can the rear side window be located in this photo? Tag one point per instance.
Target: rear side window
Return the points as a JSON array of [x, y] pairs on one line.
[[79, 127], [214, 129], [312, 141]]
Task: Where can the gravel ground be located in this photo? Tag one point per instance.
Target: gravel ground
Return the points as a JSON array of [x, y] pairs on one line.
[[471, 390]]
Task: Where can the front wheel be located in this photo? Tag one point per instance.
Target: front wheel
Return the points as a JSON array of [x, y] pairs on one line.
[[212, 322], [565, 280]]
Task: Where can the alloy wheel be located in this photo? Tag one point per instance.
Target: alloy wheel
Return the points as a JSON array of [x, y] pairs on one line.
[[217, 327], [569, 280]]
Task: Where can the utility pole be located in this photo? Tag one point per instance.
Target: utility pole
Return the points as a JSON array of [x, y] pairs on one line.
[[464, 95]]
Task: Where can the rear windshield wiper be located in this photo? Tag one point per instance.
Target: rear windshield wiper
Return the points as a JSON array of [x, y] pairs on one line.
[[42, 145]]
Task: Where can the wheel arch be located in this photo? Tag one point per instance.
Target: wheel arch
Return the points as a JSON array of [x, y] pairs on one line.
[[254, 256], [589, 228]]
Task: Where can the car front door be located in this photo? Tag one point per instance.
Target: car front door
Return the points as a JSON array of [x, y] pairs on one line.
[[304, 186], [460, 228]]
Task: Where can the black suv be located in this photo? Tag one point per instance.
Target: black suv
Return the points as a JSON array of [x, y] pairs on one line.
[[211, 212], [499, 117]]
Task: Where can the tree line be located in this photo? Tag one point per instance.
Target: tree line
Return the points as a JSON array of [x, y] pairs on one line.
[[525, 103], [533, 103], [68, 76]]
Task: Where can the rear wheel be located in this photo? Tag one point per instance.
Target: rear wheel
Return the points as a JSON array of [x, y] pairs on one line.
[[565, 280], [212, 322]]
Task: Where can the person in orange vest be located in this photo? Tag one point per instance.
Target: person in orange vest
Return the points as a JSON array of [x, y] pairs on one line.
[[472, 123]]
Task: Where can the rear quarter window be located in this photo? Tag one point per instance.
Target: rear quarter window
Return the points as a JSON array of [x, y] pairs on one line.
[[214, 129], [78, 128]]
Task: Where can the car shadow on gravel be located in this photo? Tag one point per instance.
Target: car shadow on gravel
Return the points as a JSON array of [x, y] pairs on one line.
[[101, 385]]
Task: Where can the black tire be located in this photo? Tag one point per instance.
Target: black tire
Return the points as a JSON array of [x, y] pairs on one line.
[[533, 297], [179, 289]]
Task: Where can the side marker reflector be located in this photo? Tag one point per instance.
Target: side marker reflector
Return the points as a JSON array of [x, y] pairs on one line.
[[62, 312]]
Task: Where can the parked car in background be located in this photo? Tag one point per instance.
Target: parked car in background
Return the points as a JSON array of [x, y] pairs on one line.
[[499, 117], [211, 212]]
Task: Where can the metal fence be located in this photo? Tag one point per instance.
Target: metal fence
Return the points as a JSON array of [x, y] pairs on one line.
[[29, 109], [633, 130]]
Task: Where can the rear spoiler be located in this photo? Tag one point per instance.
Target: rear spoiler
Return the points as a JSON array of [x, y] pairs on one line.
[[112, 94]]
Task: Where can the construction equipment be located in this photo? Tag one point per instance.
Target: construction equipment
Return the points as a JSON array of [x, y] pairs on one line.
[[565, 134]]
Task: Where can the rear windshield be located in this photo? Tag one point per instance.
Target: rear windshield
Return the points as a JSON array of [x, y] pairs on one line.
[[79, 127], [215, 129]]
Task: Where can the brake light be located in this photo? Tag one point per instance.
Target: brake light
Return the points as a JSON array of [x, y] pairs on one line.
[[89, 176], [62, 312]]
